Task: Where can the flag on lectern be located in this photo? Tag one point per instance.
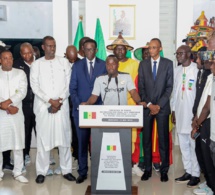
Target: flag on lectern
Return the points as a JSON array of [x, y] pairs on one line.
[[99, 38], [79, 34]]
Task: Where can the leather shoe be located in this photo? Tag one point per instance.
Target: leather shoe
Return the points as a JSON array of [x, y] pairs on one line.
[[146, 175], [69, 177], [164, 177], [183, 179], [194, 181], [40, 179], [81, 179]]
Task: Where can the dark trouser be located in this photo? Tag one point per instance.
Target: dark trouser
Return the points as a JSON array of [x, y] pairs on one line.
[[30, 123], [206, 155], [163, 139], [83, 142], [212, 148], [6, 157], [199, 156], [74, 139]]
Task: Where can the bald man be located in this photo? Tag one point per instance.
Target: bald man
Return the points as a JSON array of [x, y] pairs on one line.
[[71, 54], [184, 92], [24, 63]]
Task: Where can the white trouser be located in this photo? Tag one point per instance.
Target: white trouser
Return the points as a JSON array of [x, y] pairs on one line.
[[187, 146], [18, 163], [43, 157]]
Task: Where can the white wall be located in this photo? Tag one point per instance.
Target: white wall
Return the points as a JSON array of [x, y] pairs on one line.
[[147, 19], [204, 5], [184, 19], [27, 20], [61, 25]]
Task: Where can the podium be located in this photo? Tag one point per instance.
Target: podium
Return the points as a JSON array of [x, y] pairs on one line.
[[111, 147]]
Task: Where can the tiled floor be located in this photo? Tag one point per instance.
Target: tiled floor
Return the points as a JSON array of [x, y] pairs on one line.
[[57, 185]]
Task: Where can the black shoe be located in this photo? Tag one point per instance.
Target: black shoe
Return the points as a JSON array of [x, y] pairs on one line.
[[141, 165], [69, 177], [146, 175], [156, 166], [81, 179], [40, 179], [193, 182], [8, 167], [183, 179], [164, 177]]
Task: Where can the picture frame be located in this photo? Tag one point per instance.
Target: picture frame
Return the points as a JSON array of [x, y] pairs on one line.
[[122, 18]]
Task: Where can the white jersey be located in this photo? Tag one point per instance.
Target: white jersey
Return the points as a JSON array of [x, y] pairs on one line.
[[110, 93], [212, 110], [206, 92]]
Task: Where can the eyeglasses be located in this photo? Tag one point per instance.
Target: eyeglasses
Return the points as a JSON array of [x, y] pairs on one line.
[[179, 53], [89, 50]]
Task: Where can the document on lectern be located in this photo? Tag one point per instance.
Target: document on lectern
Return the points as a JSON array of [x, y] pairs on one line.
[[110, 116]]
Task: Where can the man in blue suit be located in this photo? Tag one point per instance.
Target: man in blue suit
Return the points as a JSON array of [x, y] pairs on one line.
[[84, 73]]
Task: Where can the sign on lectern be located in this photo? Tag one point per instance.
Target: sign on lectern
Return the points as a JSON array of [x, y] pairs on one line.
[[111, 116]]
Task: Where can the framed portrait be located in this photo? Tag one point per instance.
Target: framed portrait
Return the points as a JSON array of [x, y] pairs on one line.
[[122, 19]]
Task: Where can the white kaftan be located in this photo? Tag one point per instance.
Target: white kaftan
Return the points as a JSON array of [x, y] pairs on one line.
[[184, 92], [13, 86], [50, 80]]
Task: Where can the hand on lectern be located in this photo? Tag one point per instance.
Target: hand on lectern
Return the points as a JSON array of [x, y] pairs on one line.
[[84, 103]]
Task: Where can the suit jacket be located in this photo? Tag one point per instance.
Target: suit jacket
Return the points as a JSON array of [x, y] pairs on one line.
[[20, 64], [158, 91], [80, 84]]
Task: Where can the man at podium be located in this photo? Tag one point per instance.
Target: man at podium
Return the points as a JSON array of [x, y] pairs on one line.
[[113, 87]]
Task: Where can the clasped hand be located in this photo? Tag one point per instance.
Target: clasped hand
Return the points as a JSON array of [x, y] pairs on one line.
[[154, 109], [56, 105]]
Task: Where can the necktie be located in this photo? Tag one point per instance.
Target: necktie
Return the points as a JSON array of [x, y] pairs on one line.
[[154, 70], [91, 70]]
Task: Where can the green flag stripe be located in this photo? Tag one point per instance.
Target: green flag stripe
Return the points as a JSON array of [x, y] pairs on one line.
[[79, 35], [99, 38]]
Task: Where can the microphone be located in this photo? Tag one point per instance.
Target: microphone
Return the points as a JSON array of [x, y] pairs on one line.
[[106, 89], [116, 80]]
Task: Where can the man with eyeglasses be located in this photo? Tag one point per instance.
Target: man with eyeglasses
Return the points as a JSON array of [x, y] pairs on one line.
[[184, 92], [84, 73], [49, 78], [155, 81]]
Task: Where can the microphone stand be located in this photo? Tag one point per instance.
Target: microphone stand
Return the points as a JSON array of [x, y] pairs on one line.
[[116, 80], [106, 89]]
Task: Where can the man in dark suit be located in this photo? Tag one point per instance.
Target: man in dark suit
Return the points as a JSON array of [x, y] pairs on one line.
[[155, 81], [84, 73], [24, 63]]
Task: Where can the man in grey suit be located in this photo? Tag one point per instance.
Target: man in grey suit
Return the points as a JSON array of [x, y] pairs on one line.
[[155, 81]]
